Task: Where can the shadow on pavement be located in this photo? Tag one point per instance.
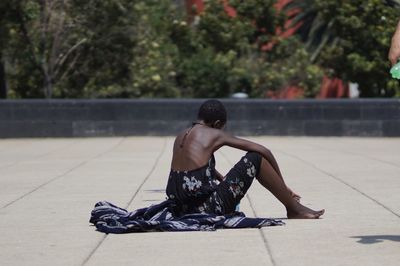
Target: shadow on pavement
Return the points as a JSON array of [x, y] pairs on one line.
[[373, 239]]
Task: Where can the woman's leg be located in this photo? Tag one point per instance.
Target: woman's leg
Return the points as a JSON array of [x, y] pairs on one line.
[[237, 181], [240, 177], [270, 179]]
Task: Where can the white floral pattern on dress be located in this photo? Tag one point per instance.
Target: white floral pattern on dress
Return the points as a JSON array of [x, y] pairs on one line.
[[191, 184], [235, 190], [208, 172], [235, 187], [251, 169]]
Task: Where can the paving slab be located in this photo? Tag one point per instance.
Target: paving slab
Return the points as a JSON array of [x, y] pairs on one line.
[[49, 186]]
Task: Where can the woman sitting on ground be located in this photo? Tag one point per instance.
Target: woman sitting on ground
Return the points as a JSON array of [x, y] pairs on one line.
[[199, 197], [195, 186]]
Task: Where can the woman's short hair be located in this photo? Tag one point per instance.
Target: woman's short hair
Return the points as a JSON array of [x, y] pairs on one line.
[[211, 111]]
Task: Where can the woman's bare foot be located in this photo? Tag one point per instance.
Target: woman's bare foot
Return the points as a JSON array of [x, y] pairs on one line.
[[302, 212]]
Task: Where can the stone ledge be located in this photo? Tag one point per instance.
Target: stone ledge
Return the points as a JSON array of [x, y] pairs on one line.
[[162, 117]]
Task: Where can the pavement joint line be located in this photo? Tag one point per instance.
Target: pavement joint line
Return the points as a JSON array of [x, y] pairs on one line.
[[263, 237], [343, 182], [62, 175], [357, 154], [149, 174], [130, 201], [36, 157], [103, 238]]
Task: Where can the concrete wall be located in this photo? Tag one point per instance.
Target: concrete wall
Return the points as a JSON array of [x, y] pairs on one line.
[[118, 117]]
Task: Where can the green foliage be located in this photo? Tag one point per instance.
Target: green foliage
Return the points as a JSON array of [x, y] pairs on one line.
[[128, 52], [204, 74], [350, 39], [292, 67], [221, 55], [124, 48], [103, 62], [154, 66], [65, 48], [14, 50]]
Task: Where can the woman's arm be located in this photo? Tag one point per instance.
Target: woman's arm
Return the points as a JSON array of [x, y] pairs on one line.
[[394, 52], [246, 145]]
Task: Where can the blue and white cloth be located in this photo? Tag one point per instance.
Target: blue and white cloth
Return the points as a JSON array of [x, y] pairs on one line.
[[109, 218]]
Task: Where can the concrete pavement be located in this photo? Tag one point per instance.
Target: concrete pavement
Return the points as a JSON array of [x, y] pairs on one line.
[[49, 186]]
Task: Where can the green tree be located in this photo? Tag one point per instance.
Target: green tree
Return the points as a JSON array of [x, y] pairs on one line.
[[154, 65], [350, 39], [14, 51], [221, 54], [67, 48], [288, 65], [123, 48], [151, 63], [104, 59], [5, 21], [42, 45]]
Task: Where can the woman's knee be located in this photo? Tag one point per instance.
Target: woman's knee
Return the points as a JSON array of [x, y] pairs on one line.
[[254, 155], [253, 160], [246, 169]]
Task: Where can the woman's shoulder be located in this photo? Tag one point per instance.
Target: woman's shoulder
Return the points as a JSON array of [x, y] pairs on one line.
[[210, 137]]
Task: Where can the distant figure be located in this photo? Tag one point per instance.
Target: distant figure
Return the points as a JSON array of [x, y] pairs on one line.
[[193, 178], [394, 52]]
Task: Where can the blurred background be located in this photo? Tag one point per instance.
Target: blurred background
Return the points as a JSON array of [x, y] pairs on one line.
[[196, 48]]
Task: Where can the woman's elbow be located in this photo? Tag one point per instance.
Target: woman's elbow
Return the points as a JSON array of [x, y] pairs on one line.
[[266, 152]]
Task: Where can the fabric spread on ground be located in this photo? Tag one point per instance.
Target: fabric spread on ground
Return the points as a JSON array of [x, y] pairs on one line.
[[109, 218]]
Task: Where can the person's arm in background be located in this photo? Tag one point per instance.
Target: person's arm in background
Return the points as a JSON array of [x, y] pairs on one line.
[[394, 52]]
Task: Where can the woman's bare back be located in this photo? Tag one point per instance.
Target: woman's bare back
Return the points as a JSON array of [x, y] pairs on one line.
[[193, 147]]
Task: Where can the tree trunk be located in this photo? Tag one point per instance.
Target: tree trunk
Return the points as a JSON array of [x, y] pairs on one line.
[[3, 83], [48, 85]]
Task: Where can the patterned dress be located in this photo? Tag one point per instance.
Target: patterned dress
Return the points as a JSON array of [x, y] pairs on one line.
[[199, 191]]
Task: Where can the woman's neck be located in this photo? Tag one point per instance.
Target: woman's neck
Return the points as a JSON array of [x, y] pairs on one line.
[[199, 123]]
